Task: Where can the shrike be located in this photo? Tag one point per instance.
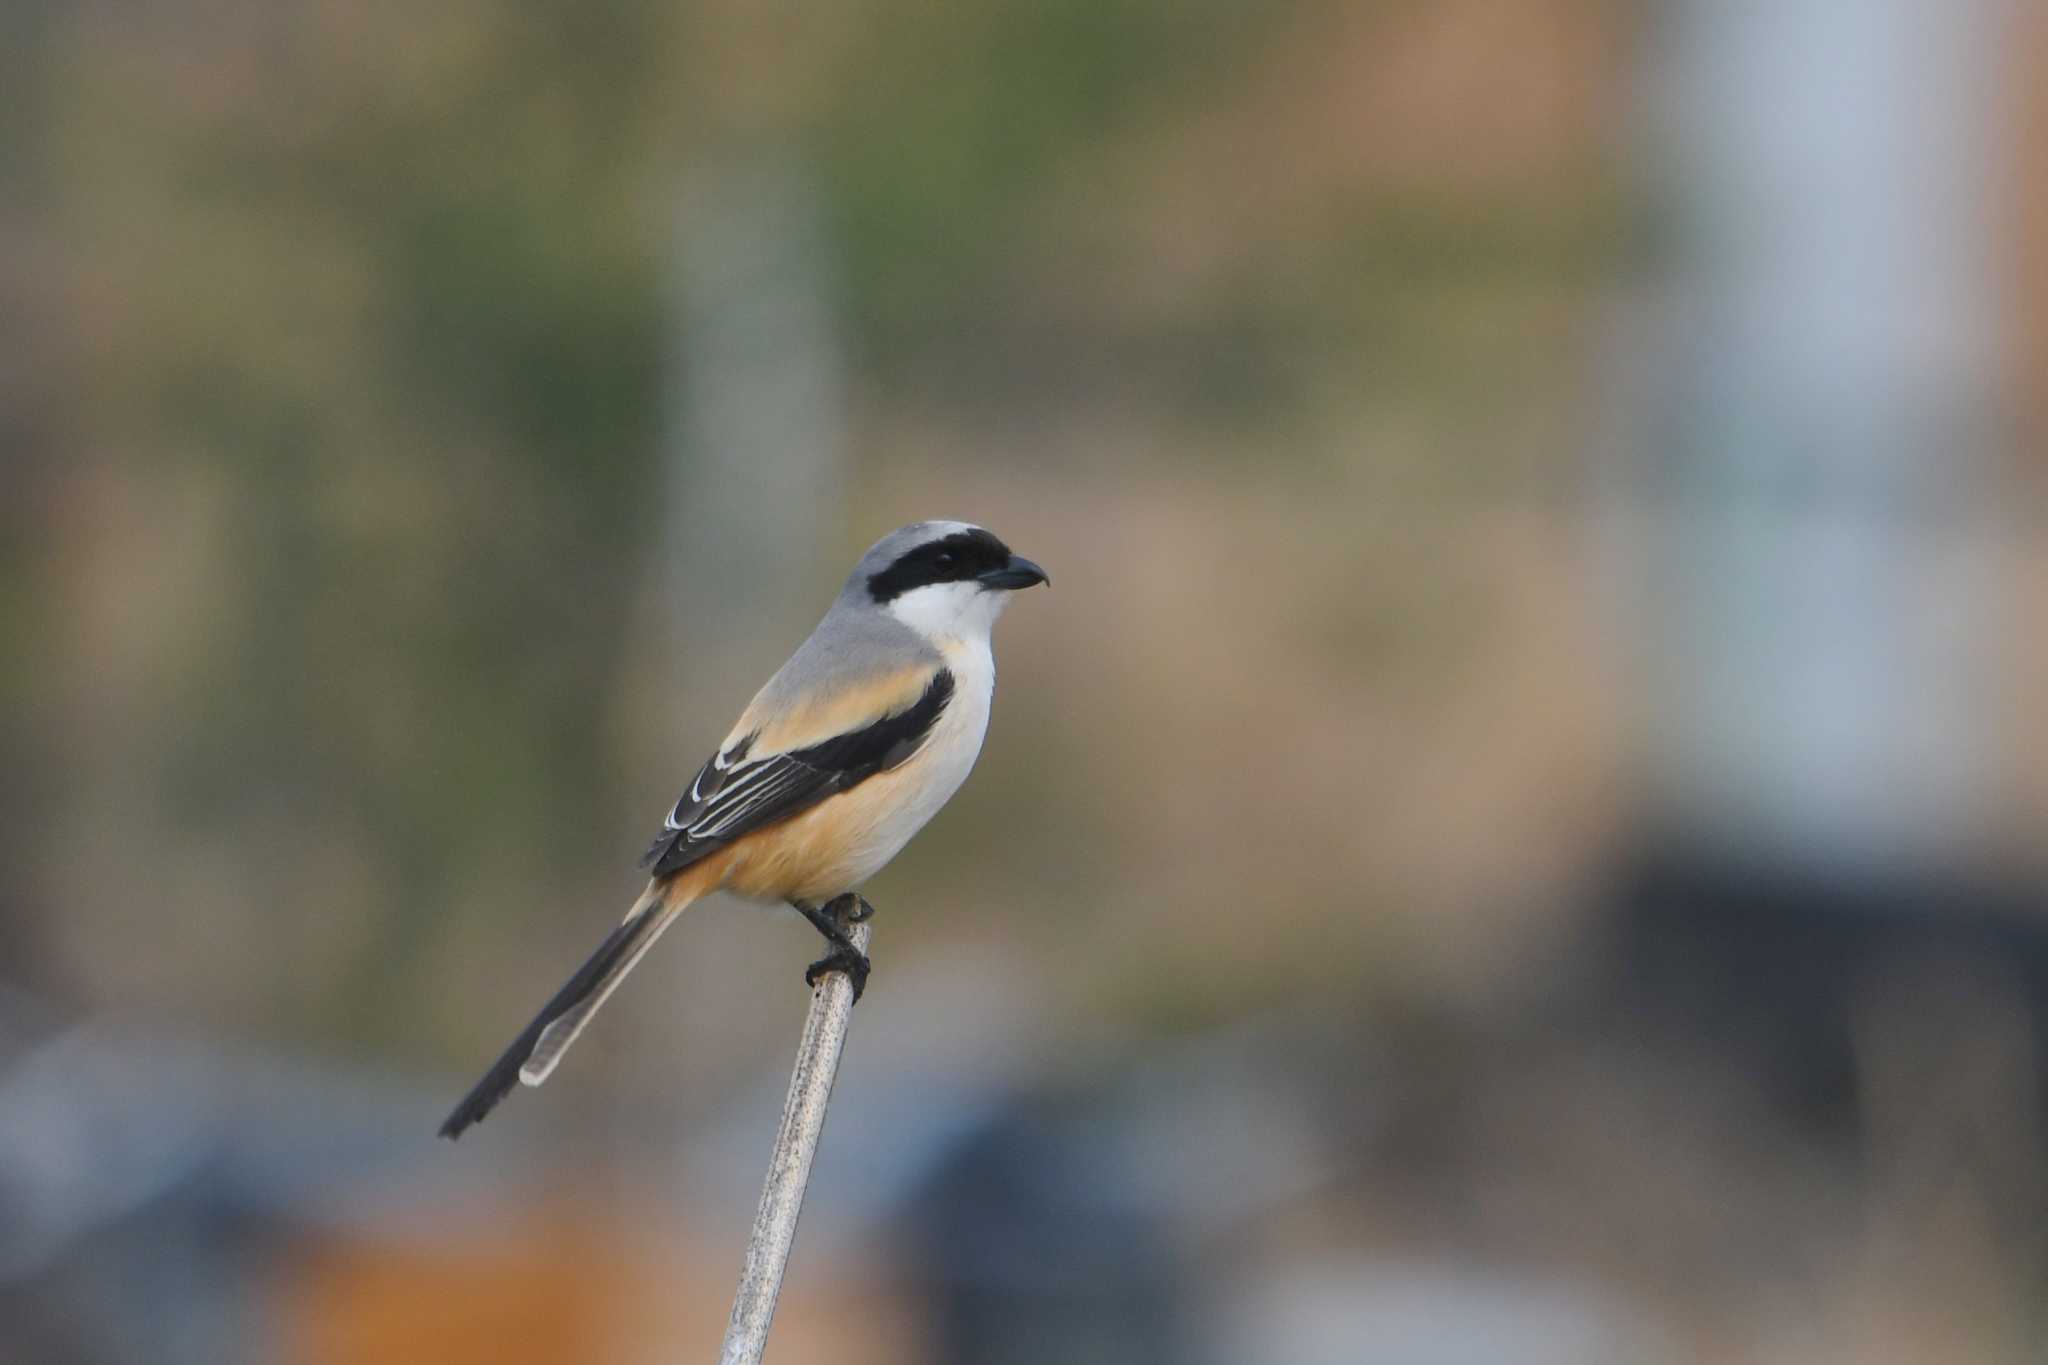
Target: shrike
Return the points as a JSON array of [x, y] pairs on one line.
[[852, 746]]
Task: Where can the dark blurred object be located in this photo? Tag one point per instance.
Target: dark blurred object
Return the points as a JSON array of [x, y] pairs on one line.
[[1787, 967], [1037, 1248], [1081, 1223]]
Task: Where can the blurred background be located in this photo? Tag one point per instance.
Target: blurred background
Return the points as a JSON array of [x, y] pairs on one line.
[[1516, 836]]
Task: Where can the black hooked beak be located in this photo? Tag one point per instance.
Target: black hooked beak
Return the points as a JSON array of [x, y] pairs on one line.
[[1018, 573]]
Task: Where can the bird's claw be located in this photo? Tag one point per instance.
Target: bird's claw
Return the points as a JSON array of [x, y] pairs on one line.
[[842, 958], [850, 908]]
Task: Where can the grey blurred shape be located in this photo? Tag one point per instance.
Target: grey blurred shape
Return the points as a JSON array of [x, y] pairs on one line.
[[1816, 643], [756, 407], [1337, 1313]]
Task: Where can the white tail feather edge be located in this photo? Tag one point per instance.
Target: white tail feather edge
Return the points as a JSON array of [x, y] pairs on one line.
[[556, 1037]]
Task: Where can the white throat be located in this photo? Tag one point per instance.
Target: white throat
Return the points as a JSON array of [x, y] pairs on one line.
[[941, 612]]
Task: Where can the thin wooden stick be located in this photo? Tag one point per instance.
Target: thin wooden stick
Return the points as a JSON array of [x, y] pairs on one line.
[[789, 1168]]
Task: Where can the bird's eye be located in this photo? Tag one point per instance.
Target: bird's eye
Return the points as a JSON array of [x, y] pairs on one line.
[[945, 560]]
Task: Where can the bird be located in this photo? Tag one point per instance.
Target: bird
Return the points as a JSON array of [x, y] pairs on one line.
[[841, 757]]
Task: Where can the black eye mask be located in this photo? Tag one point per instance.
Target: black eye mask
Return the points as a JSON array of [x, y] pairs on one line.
[[959, 558]]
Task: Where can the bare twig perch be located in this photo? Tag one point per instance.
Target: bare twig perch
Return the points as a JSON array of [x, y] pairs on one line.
[[789, 1168]]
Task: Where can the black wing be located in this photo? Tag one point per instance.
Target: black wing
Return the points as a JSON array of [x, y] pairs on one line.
[[732, 797]]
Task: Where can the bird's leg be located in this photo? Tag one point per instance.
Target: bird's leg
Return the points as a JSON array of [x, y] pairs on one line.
[[827, 919], [844, 957]]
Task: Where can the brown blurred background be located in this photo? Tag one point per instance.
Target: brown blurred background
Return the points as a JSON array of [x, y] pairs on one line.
[[1516, 834]]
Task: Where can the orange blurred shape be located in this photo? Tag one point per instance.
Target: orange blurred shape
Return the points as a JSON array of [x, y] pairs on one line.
[[563, 1288], [550, 1289]]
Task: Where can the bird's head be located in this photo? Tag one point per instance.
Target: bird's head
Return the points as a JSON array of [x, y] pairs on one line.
[[943, 578]]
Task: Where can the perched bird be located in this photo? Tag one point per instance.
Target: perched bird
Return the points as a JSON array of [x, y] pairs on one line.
[[851, 747]]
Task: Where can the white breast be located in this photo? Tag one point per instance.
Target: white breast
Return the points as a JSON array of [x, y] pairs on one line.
[[928, 781]]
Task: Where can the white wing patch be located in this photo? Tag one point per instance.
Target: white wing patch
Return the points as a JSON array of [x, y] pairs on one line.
[[718, 791], [755, 787]]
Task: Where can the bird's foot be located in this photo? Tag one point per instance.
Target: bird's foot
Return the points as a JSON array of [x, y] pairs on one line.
[[844, 957], [854, 909]]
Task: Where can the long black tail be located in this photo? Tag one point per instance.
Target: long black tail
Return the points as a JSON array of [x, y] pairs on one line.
[[575, 1002]]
